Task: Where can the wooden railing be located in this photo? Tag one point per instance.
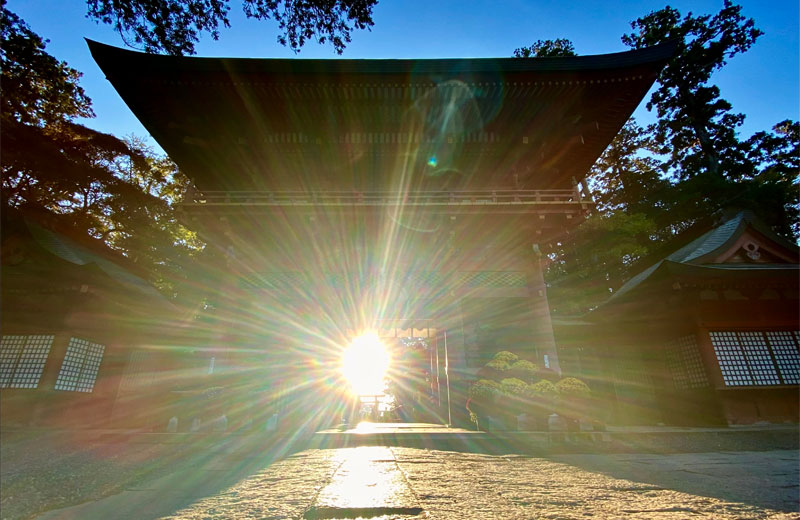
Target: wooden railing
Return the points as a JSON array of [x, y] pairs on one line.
[[390, 198]]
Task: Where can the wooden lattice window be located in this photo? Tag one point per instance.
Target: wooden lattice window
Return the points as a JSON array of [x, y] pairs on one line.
[[685, 363], [81, 364], [784, 346], [22, 359], [757, 358], [138, 373], [494, 279]]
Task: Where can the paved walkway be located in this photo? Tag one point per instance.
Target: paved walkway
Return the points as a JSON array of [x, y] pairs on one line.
[[402, 483]]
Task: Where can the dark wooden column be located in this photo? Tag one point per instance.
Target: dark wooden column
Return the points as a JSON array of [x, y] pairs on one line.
[[541, 325]]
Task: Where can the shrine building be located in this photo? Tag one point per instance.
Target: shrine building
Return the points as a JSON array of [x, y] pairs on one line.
[[414, 198], [84, 333], [708, 335]]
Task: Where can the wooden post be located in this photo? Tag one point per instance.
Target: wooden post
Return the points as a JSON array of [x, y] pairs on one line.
[[541, 325]]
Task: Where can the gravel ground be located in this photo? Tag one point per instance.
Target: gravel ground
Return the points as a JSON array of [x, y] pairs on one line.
[[451, 485], [44, 471], [227, 480]]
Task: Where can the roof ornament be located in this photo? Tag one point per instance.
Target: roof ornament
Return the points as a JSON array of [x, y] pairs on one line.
[[752, 251]]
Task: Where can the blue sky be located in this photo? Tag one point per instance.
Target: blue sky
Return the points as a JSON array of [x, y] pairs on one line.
[[763, 83]]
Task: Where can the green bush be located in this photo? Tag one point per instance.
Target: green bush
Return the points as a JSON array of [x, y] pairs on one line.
[[484, 390], [497, 365], [524, 369], [542, 397], [574, 400], [543, 388], [573, 388], [482, 394], [508, 357], [513, 387]]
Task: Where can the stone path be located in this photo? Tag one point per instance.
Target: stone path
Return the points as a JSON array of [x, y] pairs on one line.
[[405, 483]]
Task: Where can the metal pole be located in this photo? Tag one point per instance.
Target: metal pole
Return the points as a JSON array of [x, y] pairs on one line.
[[447, 380], [438, 386]]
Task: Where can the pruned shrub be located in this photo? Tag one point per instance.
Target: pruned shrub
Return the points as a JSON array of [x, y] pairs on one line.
[[543, 389], [524, 370], [541, 403], [482, 396], [484, 390], [509, 357], [573, 387], [573, 400], [513, 387], [497, 365]]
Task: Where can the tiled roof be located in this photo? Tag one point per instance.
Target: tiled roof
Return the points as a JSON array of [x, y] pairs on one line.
[[72, 252], [708, 245]]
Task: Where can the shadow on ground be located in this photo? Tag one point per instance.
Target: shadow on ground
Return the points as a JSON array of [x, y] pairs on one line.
[[54, 474], [157, 476]]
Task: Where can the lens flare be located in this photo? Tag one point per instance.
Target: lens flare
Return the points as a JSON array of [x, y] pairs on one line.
[[364, 365]]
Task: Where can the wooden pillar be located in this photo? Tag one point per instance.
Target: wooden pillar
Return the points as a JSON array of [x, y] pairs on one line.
[[541, 326]]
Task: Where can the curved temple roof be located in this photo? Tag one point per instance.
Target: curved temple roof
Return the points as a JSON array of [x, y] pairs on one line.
[[698, 255], [294, 124]]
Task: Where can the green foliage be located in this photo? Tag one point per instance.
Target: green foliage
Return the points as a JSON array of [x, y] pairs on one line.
[[504, 356], [600, 255], [695, 126], [542, 397], [114, 190], [524, 370], [772, 192], [627, 176], [546, 49], [543, 388], [36, 88], [686, 171], [496, 364], [174, 26], [571, 387], [484, 390], [512, 386]]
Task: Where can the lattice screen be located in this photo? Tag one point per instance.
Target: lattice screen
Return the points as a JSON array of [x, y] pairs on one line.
[[631, 371], [495, 279], [685, 363], [138, 373], [22, 359], [731, 359], [785, 349], [757, 358], [81, 364]]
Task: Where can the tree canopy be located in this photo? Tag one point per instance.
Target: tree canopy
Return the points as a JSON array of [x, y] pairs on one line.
[[695, 127], [686, 170], [546, 49], [175, 26], [112, 189]]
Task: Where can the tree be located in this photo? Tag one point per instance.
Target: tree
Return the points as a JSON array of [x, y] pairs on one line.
[[596, 259], [546, 49], [695, 127], [114, 190], [174, 26], [772, 192], [627, 176], [37, 89], [46, 156]]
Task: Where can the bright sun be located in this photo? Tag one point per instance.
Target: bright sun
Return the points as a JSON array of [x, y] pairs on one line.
[[364, 365]]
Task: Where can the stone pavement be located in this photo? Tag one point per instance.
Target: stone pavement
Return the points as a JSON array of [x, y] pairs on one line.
[[403, 483]]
